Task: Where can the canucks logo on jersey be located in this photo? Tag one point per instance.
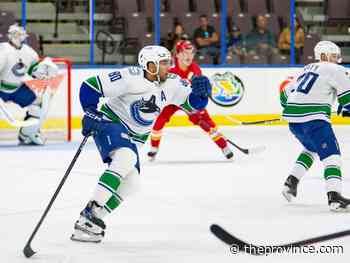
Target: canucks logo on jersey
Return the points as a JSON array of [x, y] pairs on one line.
[[141, 108], [19, 69]]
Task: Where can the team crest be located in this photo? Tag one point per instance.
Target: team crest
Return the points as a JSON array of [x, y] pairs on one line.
[[142, 109], [19, 69], [227, 89]]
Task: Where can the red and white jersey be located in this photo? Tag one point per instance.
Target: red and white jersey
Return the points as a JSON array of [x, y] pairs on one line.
[[193, 70]]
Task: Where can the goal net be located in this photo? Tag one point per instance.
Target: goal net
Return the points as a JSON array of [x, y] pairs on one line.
[[57, 125]]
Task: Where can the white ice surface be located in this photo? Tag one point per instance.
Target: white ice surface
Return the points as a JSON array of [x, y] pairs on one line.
[[188, 188]]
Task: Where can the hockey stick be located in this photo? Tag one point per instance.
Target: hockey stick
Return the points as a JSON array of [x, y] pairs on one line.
[[12, 121], [249, 248], [253, 150], [261, 122], [234, 120], [27, 250]]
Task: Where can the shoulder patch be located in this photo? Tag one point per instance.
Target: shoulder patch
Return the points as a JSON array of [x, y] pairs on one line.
[[134, 71], [184, 82], [172, 76]]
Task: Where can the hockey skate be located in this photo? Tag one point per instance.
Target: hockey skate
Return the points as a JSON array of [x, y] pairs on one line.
[[228, 153], [89, 228], [31, 139], [290, 188], [338, 203], [152, 153]]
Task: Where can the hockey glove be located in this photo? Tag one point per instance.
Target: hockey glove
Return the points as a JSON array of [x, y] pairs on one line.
[[201, 87], [342, 111], [92, 122]]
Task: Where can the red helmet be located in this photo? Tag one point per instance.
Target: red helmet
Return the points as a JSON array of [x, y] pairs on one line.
[[183, 45]]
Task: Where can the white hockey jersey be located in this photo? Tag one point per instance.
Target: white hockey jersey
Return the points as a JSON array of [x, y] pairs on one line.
[[314, 90], [136, 102], [14, 65]]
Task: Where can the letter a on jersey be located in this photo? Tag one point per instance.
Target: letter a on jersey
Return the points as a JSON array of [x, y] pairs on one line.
[[162, 96]]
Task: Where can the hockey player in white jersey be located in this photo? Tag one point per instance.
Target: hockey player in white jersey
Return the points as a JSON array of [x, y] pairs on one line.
[[307, 102], [120, 108], [19, 62]]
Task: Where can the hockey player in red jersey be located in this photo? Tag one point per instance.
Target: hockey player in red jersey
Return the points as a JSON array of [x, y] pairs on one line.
[[186, 68]]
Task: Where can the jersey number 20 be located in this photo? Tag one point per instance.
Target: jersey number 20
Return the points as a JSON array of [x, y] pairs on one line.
[[306, 81]]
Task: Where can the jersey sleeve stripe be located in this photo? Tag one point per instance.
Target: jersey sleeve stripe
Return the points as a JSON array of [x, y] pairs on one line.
[[93, 83], [344, 99], [283, 98], [187, 106], [100, 84], [344, 93], [32, 67]]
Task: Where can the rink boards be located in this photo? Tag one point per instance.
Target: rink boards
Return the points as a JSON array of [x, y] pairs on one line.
[[260, 99]]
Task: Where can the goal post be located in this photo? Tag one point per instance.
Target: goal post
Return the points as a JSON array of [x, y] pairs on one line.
[[65, 65]]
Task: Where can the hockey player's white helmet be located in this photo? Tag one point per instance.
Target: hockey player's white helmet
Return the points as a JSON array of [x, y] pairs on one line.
[[328, 48], [153, 54], [17, 35]]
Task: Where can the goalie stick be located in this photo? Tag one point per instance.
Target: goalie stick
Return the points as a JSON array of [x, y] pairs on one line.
[[12, 121], [27, 250], [257, 250]]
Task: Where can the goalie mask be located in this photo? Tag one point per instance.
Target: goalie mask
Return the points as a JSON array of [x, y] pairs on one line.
[[17, 35]]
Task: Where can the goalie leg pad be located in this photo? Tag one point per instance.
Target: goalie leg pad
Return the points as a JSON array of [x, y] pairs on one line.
[[37, 110], [31, 135]]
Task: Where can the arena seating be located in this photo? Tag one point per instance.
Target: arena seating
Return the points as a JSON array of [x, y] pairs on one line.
[[131, 24]]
